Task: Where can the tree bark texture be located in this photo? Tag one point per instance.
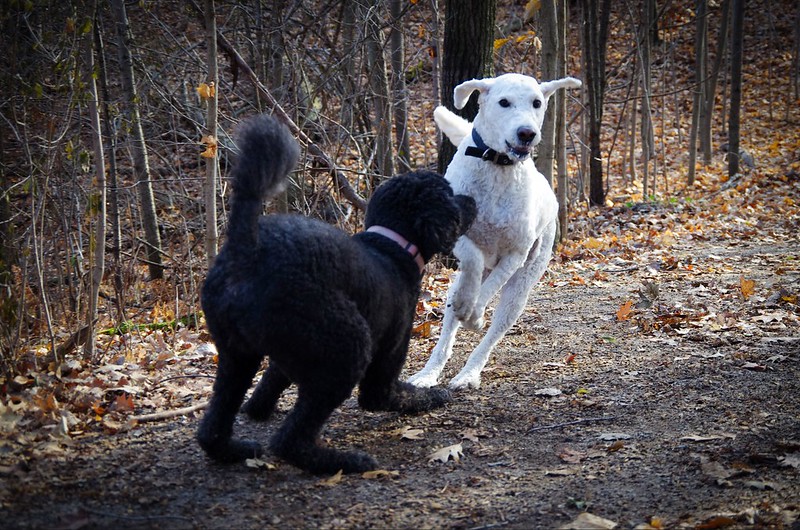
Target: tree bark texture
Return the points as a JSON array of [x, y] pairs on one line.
[[141, 165], [468, 54]]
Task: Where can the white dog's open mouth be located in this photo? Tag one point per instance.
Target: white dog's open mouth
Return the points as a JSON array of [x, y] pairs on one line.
[[519, 151]]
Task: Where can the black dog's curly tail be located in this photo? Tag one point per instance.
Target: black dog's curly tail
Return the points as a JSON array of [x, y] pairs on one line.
[[267, 154]]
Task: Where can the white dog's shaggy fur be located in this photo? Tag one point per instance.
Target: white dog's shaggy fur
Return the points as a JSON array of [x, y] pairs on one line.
[[510, 243]]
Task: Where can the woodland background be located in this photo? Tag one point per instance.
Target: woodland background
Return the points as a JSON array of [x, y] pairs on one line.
[[91, 333]]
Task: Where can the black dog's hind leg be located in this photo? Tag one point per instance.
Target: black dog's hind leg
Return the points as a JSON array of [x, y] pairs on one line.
[[265, 397], [234, 376], [296, 440], [381, 388]]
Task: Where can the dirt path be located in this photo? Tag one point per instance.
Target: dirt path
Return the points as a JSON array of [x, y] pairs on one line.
[[679, 414]]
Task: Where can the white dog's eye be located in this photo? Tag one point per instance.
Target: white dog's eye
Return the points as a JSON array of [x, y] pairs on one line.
[[537, 103], [504, 103]]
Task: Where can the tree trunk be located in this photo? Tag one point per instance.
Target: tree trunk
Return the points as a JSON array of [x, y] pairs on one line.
[[468, 49], [113, 198], [141, 165], [595, 36], [698, 101], [548, 24], [647, 115], [210, 188], [97, 210], [710, 87], [382, 157], [561, 122], [737, 49], [399, 92]]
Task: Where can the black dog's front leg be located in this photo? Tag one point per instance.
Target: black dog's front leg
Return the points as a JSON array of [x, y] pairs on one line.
[[381, 388]]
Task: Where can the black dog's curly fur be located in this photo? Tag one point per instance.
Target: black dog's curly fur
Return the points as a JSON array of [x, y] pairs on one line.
[[330, 310]]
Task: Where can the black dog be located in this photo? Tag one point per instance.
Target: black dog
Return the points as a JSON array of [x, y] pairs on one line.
[[330, 310]]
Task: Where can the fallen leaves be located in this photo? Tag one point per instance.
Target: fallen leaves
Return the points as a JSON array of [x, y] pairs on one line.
[[444, 454], [747, 287]]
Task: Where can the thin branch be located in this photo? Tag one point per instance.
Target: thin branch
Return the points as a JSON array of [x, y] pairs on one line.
[[341, 182], [170, 413], [568, 423]]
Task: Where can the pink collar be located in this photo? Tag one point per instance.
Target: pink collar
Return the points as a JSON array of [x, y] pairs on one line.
[[408, 246]]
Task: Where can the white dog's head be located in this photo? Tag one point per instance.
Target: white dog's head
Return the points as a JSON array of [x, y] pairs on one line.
[[512, 108]]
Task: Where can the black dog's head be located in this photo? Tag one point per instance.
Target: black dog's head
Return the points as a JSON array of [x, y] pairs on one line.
[[421, 207]]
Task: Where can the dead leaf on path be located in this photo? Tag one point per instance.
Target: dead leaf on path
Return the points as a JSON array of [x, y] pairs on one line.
[[614, 436], [563, 472], [407, 433], [754, 367], [700, 438], [624, 311], [455, 451], [423, 331], [717, 471], [571, 456], [380, 473], [256, 463], [587, 521], [792, 460], [719, 521], [470, 434], [332, 480], [549, 392], [747, 287], [616, 446]]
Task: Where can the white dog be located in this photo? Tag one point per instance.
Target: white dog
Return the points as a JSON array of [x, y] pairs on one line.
[[509, 245]]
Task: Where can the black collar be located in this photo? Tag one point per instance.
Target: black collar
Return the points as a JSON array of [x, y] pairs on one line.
[[484, 152]]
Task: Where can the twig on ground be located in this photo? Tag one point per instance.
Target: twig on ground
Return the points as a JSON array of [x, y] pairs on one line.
[[169, 413], [567, 423]]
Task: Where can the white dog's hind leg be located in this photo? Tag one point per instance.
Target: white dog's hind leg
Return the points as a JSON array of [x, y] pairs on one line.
[[429, 375]]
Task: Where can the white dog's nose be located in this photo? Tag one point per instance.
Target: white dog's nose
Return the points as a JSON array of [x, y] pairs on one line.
[[526, 135]]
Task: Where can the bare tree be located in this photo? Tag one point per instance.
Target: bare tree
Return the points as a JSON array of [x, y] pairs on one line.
[[710, 84], [560, 111], [141, 164], [737, 51], [596, 14], [468, 49], [97, 210], [698, 101], [210, 189], [383, 160], [399, 92], [548, 24]]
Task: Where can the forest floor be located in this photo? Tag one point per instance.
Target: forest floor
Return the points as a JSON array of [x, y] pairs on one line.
[[653, 381]]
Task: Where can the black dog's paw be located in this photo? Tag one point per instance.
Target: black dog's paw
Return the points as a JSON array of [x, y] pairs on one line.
[[412, 399], [439, 396], [233, 451], [324, 460]]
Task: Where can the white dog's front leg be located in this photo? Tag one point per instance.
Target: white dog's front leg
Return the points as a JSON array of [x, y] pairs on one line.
[[504, 269], [429, 375], [464, 293]]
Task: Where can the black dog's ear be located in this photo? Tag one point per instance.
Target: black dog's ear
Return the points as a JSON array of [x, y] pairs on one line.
[[468, 209]]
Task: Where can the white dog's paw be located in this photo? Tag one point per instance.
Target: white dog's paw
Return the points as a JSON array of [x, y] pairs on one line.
[[465, 380], [424, 379], [463, 305]]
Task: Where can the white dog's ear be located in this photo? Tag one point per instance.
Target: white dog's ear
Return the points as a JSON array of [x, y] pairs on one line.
[[549, 87], [463, 91]]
